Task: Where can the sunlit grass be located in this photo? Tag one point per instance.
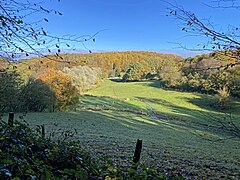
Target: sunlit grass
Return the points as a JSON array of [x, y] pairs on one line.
[[163, 139], [148, 95], [105, 127]]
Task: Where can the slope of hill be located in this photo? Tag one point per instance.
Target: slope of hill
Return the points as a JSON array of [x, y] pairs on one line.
[[106, 61]]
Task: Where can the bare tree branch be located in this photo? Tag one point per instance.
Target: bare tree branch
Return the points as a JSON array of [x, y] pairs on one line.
[[21, 38], [224, 4], [224, 42]]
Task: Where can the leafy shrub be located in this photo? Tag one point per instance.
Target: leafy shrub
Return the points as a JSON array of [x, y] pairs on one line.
[[36, 96], [10, 83], [223, 98]]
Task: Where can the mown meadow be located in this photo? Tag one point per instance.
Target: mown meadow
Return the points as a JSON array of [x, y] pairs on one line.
[[181, 131]]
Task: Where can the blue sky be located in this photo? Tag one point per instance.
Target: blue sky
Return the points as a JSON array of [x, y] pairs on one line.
[[132, 24]]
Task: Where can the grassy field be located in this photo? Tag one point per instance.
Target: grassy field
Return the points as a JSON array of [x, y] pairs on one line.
[[179, 130]]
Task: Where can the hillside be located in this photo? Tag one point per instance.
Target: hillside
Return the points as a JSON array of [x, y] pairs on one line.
[[105, 61], [211, 73]]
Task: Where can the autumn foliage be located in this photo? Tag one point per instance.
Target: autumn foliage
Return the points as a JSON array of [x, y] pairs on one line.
[[61, 83], [77, 73], [107, 62]]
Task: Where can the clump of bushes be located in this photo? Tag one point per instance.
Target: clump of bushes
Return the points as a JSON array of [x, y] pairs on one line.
[[52, 90], [61, 84], [36, 96], [223, 98]]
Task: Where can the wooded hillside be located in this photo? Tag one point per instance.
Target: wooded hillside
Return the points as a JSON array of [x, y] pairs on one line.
[[70, 75]]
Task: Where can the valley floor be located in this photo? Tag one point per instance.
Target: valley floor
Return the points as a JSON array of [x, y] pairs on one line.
[[180, 131]]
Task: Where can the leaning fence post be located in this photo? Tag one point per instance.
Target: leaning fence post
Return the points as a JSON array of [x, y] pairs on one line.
[[43, 131], [10, 118], [137, 152]]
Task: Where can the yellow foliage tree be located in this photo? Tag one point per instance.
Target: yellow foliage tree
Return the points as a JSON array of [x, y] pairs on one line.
[[61, 84]]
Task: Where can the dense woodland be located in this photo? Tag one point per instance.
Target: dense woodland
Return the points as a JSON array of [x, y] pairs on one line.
[[54, 84]]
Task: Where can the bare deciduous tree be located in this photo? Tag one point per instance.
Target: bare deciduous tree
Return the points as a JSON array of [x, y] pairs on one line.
[[226, 42], [21, 36]]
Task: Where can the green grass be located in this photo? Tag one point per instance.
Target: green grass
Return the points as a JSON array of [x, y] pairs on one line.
[[112, 117], [148, 95], [144, 94]]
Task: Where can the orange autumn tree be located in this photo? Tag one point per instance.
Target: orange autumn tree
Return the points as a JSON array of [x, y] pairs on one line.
[[61, 84]]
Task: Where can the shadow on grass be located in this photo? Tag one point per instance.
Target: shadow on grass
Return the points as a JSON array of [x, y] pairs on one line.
[[209, 102], [181, 117], [111, 108], [209, 122], [204, 101], [99, 103], [116, 133], [154, 83], [116, 79], [107, 102], [151, 83]]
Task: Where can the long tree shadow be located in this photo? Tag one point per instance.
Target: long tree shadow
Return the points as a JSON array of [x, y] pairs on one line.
[[200, 120], [210, 103], [154, 83], [108, 103], [178, 112], [206, 120], [204, 101]]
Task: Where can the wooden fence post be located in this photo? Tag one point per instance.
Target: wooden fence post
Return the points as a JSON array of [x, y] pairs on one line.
[[137, 152], [43, 131], [10, 119]]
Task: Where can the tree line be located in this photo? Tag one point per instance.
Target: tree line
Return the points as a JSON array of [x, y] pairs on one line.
[[41, 84]]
